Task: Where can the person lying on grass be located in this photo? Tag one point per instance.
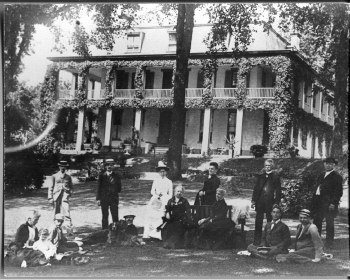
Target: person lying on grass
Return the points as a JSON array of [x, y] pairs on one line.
[[276, 237]]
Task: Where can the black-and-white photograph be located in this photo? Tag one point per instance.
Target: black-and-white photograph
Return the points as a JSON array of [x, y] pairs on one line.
[[175, 140]]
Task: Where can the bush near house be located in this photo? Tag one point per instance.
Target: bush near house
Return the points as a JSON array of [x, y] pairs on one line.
[[22, 170]]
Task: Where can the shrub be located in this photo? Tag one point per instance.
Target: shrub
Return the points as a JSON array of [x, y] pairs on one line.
[[22, 170], [298, 193], [258, 150]]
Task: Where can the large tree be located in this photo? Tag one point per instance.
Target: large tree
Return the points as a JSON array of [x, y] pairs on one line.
[[324, 29], [184, 29]]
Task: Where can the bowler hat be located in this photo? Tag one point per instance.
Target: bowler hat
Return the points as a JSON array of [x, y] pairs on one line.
[[110, 161], [330, 160], [63, 163], [161, 166], [129, 216], [59, 216]]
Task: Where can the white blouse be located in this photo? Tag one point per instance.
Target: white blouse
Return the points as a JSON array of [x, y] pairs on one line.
[[163, 187]]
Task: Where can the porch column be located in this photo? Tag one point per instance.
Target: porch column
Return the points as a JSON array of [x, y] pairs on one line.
[[206, 131], [291, 135], [138, 118], [108, 128], [239, 127], [80, 132], [321, 105]]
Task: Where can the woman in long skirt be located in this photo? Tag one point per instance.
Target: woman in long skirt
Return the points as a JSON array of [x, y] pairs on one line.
[[162, 191]]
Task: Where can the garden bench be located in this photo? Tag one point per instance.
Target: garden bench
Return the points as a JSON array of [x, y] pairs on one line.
[[203, 211]]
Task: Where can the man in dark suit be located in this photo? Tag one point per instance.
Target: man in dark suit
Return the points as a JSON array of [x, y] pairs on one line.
[[206, 196], [325, 202], [267, 192], [276, 237], [107, 196]]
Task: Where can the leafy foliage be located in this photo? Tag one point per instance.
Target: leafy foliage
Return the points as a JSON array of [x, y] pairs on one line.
[[324, 29]]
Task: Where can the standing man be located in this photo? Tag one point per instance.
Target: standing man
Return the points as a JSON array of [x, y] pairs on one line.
[[108, 188], [267, 192], [325, 202], [207, 195], [60, 190]]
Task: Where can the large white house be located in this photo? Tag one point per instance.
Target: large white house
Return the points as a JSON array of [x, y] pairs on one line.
[[269, 95]]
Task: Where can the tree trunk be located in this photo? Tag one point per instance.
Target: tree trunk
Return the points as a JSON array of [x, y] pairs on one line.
[[184, 30], [340, 94]]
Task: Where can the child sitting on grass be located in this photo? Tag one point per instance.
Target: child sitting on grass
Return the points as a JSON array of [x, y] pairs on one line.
[[59, 240], [44, 245]]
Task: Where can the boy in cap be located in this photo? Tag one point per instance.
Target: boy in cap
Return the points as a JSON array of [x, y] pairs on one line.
[[276, 237], [59, 240], [60, 191], [108, 188], [130, 228], [326, 197], [308, 243]]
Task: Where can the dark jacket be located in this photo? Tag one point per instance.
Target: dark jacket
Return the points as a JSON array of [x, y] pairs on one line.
[[22, 235], [331, 190], [218, 211], [279, 236], [180, 211], [210, 186], [108, 187], [267, 191]]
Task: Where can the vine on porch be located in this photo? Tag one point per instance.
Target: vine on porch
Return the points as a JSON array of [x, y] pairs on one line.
[[282, 109]]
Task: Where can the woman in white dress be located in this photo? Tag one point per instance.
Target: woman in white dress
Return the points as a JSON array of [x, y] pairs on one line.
[[162, 191]]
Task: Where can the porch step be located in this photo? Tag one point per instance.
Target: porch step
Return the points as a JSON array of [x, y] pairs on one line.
[[160, 150]]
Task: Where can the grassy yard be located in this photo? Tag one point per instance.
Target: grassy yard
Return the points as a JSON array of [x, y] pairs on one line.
[[152, 260]]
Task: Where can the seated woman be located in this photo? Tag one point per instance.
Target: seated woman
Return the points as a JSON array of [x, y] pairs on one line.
[[216, 228], [177, 220], [308, 242], [162, 191], [20, 252]]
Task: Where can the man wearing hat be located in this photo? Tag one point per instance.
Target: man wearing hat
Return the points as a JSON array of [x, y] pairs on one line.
[[207, 195], [108, 188], [308, 243], [326, 197], [276, 237], [60, 190]]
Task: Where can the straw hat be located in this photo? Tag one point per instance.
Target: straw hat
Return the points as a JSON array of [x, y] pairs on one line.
[[161, 166]]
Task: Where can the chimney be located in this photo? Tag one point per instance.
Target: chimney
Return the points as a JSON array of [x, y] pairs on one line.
[[295, 40]]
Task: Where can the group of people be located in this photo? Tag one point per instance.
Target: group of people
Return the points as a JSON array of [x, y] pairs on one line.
[[170, 217], [34, 247], [274, 241]]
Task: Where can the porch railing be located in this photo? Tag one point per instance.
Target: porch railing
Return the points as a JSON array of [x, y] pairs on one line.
[[194, 92], [157, 93], [124, 93], [260, 92], [167, 93], [224, 92], [67, 94]]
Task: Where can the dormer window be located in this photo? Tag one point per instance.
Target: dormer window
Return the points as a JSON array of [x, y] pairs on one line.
[[172, 42], [134, 41]]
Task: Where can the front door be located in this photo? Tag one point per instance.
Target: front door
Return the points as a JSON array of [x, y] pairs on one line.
[[164, 127]]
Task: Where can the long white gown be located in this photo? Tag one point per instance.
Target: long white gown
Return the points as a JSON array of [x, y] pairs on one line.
[[155, 208]]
